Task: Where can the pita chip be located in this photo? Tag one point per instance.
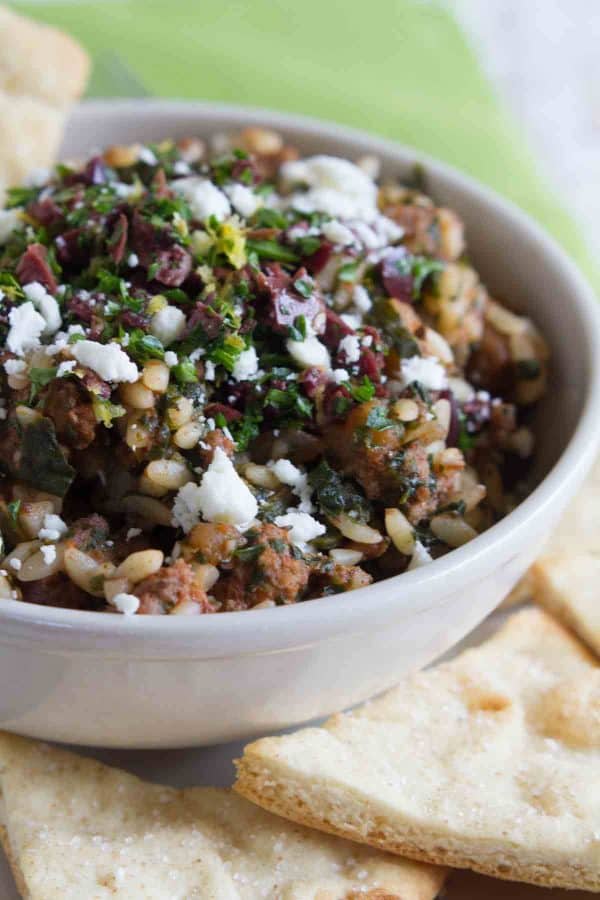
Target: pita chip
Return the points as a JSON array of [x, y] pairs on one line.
[[74, 828], [39, 61], [29, 138], [42, 72], [489, 762], [566, 578]]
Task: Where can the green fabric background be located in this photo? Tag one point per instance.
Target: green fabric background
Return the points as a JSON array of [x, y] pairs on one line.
[[400, 68]]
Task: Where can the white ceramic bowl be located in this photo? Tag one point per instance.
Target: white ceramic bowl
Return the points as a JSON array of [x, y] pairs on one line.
[[88, 678]]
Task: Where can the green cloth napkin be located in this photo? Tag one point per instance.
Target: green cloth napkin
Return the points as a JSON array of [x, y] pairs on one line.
[[399, 68]]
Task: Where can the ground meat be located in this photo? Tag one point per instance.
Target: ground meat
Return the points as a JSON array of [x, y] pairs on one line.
[[490, 365], [386, 468], [212, 542], [161, 592], [10, 445], [69, 406], [276, 575], [212, 440], [334, 578], [90, 534], [419, 223], [59, 590]]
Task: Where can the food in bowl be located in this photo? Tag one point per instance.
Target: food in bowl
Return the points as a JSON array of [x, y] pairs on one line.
[[236, 378]]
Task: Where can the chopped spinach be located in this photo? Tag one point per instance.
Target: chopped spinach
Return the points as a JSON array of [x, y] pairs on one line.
[[42, 462], [335, 496]]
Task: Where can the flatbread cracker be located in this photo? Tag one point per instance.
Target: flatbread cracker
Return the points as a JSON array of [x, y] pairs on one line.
[[30, 136], [42, 72], [565, 579], [75, 829], [489, 762], [569, 587], [39, 61]]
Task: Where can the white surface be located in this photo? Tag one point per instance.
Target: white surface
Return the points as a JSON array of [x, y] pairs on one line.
[[542, 55], [167, 681]]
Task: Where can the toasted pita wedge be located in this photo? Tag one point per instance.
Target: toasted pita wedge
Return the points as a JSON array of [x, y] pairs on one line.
[[39, 61], [490, 762], [42, 71], [569, 587], [565, 578], [75, 829], [30, 136]]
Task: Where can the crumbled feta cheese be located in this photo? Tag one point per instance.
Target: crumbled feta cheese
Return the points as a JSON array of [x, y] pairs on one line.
[[351, 320], [10, 219], [122, 189], [128, 604], [337, 233], [133, 260], [350, 347], [426, 370], [45, 304], [246, 365], [361, 299], [388, 229], [61, 339], [14, 366], [243, 200], [289, 474], [48, 551], [209, 370], [196, 354], [15, 563], [171, 359], [335, 186], [420, 556], [53, 528], [367, 236], [168, 324], [204, 198], [146, 155], [309, 352], [180, 167], [107, 360], [65, 367], [133, 533], [340, 376], [304, 528], [221, 496], [26, 328], [286, 471]]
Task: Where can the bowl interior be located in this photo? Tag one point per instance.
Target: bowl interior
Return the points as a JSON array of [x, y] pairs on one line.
[[513, 262], [517, 261]]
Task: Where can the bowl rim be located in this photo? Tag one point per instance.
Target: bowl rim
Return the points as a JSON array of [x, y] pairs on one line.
[[276, 629]]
